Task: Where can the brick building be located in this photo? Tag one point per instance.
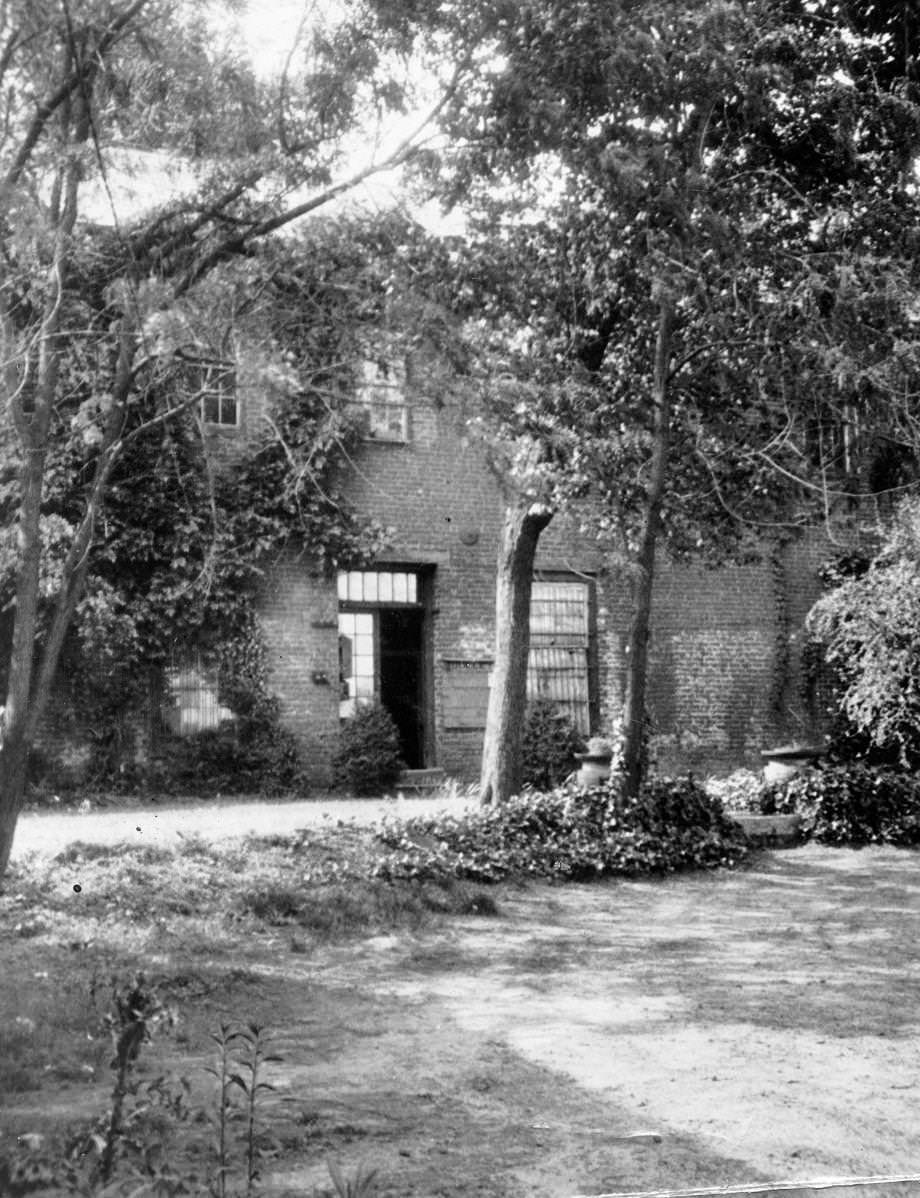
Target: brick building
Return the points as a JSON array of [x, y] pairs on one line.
[[416, 630]]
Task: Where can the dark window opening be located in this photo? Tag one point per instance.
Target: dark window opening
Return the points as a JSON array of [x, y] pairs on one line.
[[382, 652]]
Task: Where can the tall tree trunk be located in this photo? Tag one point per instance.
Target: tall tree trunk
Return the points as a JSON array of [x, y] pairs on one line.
[[32, 419], [637, 661], [501, 751], [30, 687], [14, 738]]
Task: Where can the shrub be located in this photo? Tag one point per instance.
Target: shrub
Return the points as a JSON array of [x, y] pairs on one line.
[[740, 791], [569, 833], [252, 754], [368, 758], [549, 746], [851, 805], [869, 627]]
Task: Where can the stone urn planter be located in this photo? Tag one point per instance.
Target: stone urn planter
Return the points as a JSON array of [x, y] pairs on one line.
[[594, 765], [785, 761]]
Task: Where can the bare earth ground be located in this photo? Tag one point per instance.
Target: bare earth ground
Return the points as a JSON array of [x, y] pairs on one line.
[[760, 1024]]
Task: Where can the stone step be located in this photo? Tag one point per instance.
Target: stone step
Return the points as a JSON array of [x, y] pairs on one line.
[[421, 781], [768, 830]]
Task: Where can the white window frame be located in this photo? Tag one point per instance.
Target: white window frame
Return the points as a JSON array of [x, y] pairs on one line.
[[217, 383], [381, 392]]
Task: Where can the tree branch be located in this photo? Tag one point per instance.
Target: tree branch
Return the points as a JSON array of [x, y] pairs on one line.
[[71, 84], [397, 157]]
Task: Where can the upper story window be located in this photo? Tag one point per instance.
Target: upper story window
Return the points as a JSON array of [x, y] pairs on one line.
[[382, 393], [216, 382]]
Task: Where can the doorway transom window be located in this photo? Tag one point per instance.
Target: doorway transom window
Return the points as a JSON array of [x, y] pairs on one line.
[[378, 586]]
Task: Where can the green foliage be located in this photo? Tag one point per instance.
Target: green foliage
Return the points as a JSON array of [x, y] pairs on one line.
[[367, 760], [353, 905], [550, 742], [363, 1185], [241, 1057], [740, 791], [869, 627], [569, 833], [254, 754], [851, 805], [181, 553], [132, 1148], [127, 1148]]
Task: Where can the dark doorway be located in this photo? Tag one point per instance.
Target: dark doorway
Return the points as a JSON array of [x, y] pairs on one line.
[[401, 674]]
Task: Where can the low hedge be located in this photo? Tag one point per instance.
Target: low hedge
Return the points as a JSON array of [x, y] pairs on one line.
[[569, 833], [851, 805]]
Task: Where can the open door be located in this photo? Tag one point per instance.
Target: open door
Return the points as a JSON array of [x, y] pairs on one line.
[[382, 652], [401, 676]]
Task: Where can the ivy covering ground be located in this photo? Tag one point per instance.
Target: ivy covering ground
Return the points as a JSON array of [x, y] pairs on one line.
[[851, 805], [571, 834]]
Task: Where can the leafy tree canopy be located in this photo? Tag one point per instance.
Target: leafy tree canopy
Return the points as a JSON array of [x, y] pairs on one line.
[[741, 161], [869, 627]]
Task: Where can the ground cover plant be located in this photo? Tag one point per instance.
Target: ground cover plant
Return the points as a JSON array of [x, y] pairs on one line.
[[91, 915], [513, 1057], [570, 833], [851, 804], [740, 791]]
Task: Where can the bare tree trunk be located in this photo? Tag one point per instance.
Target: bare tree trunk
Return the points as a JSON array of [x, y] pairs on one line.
[[501, 750], [14, 742], [637, 662], [31, 411]]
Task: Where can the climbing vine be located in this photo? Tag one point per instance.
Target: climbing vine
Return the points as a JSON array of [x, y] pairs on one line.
[[187, 536]]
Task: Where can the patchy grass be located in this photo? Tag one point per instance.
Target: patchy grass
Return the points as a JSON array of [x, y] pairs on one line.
[[96, 910], [508, 1058]]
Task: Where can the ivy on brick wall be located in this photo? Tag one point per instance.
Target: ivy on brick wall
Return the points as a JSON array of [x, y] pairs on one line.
[[186, 537]]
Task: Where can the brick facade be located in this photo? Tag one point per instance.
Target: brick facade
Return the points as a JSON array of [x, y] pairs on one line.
[[724, 654]]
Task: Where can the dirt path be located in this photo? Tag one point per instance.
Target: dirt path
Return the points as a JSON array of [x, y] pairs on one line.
[[763, 1025], [702, 1030], [50, 831]]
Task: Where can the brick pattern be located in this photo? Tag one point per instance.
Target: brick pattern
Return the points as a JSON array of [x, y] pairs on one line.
[[716, 643], [725, 653]]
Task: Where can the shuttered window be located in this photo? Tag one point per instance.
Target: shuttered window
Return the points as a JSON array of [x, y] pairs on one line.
[[558, 669]]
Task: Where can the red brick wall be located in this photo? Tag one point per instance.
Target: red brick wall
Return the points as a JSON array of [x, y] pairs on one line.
[[445, 509], [725, 649]]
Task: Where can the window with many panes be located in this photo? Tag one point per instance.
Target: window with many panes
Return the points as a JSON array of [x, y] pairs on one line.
[[362, 595], [382, 394], [216, 382], [191, 702], [558, 668]]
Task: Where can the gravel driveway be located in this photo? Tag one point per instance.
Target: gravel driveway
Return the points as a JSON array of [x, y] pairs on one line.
[[47, 832]]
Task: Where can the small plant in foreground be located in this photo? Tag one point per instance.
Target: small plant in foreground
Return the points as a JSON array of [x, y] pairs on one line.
[[362, 1185], [126, 1153], [240, 1063], [125, 1149]]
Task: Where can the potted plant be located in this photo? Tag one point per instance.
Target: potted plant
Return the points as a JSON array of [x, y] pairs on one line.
[[595, 762]]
